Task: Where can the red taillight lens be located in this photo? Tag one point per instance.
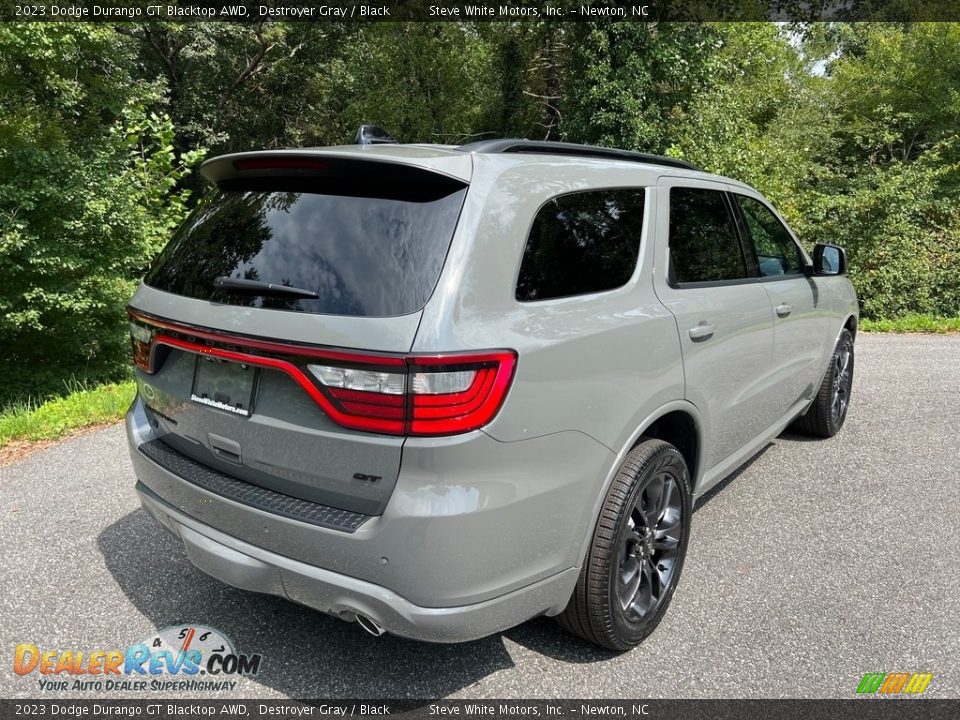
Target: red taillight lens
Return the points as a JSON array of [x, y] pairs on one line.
[[446, 399], [362, 396], [141, 338], [391, 394], [431, 395]]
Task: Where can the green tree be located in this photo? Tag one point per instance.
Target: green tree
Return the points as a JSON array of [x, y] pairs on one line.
[[627, 84], [762, 118], [87, 195], [422, 82], [894, 91]]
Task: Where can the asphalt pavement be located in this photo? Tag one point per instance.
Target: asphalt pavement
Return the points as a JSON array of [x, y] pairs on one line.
[[817, 562]]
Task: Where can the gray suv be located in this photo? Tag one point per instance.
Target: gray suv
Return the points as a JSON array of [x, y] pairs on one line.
[[442, 390]]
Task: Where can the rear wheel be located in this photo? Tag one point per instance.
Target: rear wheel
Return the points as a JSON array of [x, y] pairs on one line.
[[636, 554], [825, 416]]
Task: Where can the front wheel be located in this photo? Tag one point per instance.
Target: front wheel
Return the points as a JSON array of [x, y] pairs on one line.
[[636, 554], [825, 416]]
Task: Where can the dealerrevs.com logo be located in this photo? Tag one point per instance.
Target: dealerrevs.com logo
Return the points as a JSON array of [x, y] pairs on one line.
[[895, 683], [178, 658]]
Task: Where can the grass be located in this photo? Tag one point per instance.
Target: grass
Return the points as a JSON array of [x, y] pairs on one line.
[[913, 324], [81, 407]]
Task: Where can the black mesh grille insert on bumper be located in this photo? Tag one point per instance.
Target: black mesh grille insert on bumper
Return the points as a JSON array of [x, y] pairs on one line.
[[253, 495]]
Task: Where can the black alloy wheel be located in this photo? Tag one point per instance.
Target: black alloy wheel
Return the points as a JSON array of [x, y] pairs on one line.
[[636, 553], [649, 547], [828, 411]]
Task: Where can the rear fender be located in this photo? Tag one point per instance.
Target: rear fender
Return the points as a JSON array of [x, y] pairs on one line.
[[641, 427]]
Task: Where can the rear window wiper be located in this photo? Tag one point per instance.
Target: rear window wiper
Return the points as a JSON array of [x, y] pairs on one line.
[[258, 287]]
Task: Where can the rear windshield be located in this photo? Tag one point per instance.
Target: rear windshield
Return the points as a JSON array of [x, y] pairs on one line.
[[364, 250]]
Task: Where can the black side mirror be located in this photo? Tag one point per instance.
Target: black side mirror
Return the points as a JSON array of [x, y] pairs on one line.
[[829, 259]]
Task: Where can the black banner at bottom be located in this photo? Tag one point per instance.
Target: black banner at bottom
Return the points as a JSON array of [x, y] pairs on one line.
[[860, 708]]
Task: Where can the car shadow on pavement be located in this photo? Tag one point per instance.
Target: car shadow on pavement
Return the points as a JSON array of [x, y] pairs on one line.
[[798, 437], [544, 636], [306, 654]]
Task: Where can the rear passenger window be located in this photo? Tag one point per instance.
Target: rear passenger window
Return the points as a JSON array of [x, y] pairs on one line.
[[703, 241], [582, 243], [777, 253]]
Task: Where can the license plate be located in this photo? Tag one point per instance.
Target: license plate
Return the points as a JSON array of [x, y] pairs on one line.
[[224, 385]]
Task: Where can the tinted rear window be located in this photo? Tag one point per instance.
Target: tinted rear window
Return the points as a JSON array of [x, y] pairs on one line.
[[585, 242], [365, 250]]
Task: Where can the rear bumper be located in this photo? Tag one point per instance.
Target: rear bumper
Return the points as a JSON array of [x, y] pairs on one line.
[[478, 535], [251, 568]]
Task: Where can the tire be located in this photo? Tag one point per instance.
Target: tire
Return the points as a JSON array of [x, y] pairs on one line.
[[825, 416], [596, 611]]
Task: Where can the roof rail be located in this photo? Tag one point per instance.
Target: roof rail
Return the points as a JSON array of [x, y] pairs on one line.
[[546, 147]]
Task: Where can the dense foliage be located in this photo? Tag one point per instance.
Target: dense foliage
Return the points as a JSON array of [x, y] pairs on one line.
[[852, 130]]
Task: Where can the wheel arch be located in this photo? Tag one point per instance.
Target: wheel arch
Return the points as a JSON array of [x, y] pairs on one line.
[[680, 429], [672, 420], [679, 423], [851, 325]]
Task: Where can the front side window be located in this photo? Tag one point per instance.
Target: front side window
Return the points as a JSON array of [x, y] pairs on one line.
[[777, 253], [581, 243], [703, 240]]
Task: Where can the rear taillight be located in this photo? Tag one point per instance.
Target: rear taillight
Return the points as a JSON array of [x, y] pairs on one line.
[[429, 395], [141, 338], [391, 394], [457, 393]]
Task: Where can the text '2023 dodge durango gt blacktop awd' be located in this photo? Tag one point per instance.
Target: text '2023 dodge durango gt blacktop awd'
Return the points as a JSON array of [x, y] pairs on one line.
[[442, 390]]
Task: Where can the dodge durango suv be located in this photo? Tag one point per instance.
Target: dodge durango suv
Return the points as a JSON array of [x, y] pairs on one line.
[[442, 390]]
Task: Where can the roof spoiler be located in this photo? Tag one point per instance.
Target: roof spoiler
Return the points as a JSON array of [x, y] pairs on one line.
[[346, 165]]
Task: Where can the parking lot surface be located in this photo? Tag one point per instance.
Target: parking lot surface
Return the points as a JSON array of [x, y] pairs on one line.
[[817, 562]]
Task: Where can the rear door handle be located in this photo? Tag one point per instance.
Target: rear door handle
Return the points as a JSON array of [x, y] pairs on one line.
[[703, 331], [783, 310]]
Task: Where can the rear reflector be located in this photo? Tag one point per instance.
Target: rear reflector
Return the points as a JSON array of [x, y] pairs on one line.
[[425, 395]]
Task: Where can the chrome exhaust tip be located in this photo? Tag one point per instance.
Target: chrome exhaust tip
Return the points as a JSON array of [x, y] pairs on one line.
[[369, 625]]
